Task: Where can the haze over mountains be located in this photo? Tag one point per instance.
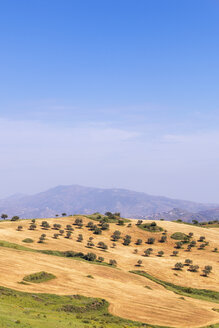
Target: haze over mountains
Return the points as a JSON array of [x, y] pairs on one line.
[[180, 214], [86, 200]]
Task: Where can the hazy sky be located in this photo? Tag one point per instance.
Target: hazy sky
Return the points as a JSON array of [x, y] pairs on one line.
[[113, 93]]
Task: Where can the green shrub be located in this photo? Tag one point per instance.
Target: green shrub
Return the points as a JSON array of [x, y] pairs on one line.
[[27, 240], [39, 277], [180, 236], [152, 227]]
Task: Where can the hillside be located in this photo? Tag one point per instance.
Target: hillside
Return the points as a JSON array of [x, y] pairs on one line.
[[147, 299], [77, 199]]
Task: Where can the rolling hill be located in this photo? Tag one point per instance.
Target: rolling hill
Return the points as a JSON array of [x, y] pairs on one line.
[[77, 199], [151, 291]]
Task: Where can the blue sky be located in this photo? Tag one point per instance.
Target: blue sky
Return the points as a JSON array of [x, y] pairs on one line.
[[112, 93]]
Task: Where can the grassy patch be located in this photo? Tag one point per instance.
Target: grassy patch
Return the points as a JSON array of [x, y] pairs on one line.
[[31, 310], [99, 217], [179, 236], [152, 227], [39, 277], [202, 294], [16, 246], [27, 240]]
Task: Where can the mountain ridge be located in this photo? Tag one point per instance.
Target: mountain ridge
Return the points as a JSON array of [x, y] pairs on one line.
[[181, 214], [79, 199]]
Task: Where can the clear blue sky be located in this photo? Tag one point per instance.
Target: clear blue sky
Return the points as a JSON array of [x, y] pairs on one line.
[[112, 93]]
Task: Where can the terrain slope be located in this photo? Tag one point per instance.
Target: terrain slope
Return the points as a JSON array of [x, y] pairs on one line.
[[130, 296]]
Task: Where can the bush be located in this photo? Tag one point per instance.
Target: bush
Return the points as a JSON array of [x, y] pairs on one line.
[[68, 234], [189, 247], [127, 240], [15, 218], [57, 226], [152, 227], [147, 252], [193, 268], [90, 225], [39, 277], [100, 259], [178, 266], [139, 263], [27, 240], [69, 227], [32, 226], [193, 243], [178, 244], [163, 239], [180, 236], [104, 226], [102, 245], [139, 222], [207, 270], [188, 262], [151, 240], [90, 257], [79, 222], [113, 262], [97, 231], [80, 238], [116, 235]]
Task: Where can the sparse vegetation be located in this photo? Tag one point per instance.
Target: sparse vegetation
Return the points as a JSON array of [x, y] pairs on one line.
[[39, 277], [97, 244], [152, 227], [27, 240], [151, 240], [180, 236], [116, 235], [178, 266], [127, 240]]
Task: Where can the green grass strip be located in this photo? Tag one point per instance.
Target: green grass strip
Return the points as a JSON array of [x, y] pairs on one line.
[[52, 252], [202, 294]]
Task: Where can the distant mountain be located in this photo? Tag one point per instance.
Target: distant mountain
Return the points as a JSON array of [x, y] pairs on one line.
[[85, 200], [180, 214], [211, 214]]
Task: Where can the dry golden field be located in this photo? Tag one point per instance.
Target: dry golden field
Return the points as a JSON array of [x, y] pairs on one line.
[[130, 296]]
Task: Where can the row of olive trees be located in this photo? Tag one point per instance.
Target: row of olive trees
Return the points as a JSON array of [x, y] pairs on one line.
[[193, 268]]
